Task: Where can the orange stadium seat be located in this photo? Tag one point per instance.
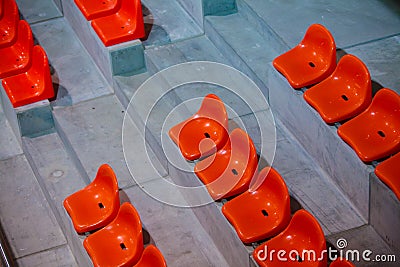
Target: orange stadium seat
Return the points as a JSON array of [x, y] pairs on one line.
[[311, 61]]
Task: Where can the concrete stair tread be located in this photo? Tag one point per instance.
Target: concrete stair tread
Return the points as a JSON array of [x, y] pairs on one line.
[[94, 130], [347, 20], [314, 189], [382, 65], [175, 230], [60, 256], [26, 217], [58, 173], [252, 47], [76, 76], [170, 22], [364, 238], [8, 142], [47, 10]]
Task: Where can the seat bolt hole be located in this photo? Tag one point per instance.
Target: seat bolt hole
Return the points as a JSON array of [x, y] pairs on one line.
[[101, 206], [235, 172], [122, 245], [32, 86], [312, 65], [122, 27], [207, 135], [381, 134], [265, 213], [345, 98]]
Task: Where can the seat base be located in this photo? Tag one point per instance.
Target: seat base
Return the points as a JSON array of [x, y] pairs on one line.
[[117, 29], [93, 9]]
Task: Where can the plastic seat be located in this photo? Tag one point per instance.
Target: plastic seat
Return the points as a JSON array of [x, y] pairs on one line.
[[229, 173], [341, 263], [375, 133], [9, 18], [97, 204], [125, 25], [118, 244], [388, 171], [204, 132], [93, 9], [16, 58], [151, 257], [303, 233], [33, 85], [344, 94], [262, 212], [311, 61]]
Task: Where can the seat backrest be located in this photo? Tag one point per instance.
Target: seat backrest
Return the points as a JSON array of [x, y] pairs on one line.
[[321, 41], [105, 177], [131, 8], [387, 101], [269, 180], [8, 10], [40, 66], [128, 218], [241, 141], [212, 107], [107, 181], [303, 224], [243, 149], [151, 257], [24, 41], [352, 67]]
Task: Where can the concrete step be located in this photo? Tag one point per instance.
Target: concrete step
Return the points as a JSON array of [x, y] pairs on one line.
[[59, 256], [75, 76], [59, 177], [354, 243], [25, 215], [169, 22], [93, 130], [291, 20], [9, 143], [37, 11], [175, 230]]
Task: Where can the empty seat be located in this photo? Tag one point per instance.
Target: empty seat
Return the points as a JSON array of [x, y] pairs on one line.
[[341, 263], [262, 212], [311, 61], [230, 171], [303, 233], [151, 257], [97, 204], [344, 94], [204, 132], [93, 9], [33, 85], [16, 58], [375, 133], [9, 18], [124, 25], [118, 244], [388, 171]]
